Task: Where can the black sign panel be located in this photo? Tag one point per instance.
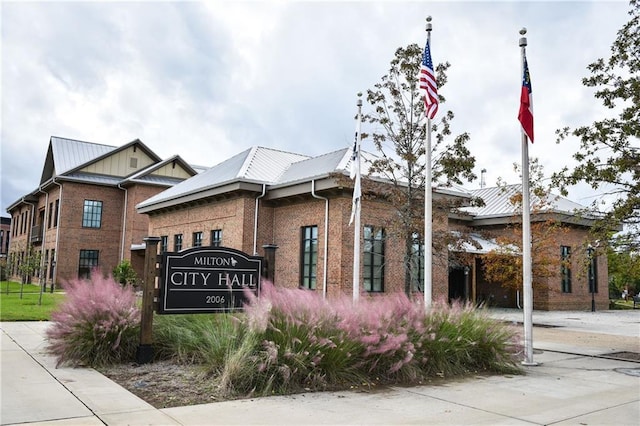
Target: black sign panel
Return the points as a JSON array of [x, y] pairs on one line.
[[207, 280]]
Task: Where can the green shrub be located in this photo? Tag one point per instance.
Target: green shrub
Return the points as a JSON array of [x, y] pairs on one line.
[[97, 324], [124, 273], [3, 269]]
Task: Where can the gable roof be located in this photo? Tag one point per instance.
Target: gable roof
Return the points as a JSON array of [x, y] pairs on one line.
[[256, 165], [498, 210], [74, 160], [137, 143], [498, 203], [265, 166], [147, 176], [65, 154]]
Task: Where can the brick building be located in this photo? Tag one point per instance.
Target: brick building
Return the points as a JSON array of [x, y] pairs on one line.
[[295, 211], [581, 270], [5, 236], [82, 214]]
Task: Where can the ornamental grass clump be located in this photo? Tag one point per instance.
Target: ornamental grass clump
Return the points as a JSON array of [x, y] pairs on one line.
[[97, 324], [386, 327], [295, 340], [459, 339], [197, 339], [293, 343]]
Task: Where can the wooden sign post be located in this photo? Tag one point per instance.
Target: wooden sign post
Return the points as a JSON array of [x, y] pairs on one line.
[[144, 353]]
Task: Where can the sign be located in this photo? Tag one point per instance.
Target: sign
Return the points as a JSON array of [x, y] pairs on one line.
[[207, 280]]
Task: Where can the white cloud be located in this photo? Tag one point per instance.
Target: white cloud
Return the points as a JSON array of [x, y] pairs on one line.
[[207, 80]]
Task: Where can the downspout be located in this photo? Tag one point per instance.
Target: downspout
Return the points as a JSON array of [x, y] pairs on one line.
[[44, 235], [326, 236], [255, 220], [124, 220], [55, 259]]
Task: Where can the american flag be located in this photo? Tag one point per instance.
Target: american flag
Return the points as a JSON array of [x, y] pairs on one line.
[[427, 83], [525, 115]]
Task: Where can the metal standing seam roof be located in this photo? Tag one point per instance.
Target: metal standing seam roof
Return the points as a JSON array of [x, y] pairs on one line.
[[497, 202], [333, 162], [272, 167], [267, 165], [93, 178], [69, 153], [317, 166], [482, 245], [256, 164]]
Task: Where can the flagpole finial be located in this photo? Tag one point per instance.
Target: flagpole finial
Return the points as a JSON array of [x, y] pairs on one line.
[[523, 40], [359, 103], [429, 27]]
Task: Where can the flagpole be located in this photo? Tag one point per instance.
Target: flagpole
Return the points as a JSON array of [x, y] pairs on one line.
[[526, 234], [357, 206], [428, 213]]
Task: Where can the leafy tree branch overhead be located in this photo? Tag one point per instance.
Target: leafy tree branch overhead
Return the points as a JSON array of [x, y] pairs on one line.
[[609, 155], [397, 121]]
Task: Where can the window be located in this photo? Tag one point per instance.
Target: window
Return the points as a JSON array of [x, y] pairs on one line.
[[309, 254], [177, 242], [55, 216], [92, 214], [50, 215], [197, 239], [565, 269], [417, 263], [373, 263], [164, 244], [88, 261], [216, 237]]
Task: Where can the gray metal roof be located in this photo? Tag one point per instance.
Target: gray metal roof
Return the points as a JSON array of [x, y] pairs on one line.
[[271, 167], [93, 178], [267, 165], [497, 202], [157, 180], [256, 164], [69, 153], [481, 245], [317, 166], [155, 166]]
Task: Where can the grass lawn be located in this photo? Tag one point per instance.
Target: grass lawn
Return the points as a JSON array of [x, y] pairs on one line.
[[27, 308]]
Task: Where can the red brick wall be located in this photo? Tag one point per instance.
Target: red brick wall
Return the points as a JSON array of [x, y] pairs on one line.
[[547, 291], [228, 215], [137, 225], [73, 237], [281, 224]]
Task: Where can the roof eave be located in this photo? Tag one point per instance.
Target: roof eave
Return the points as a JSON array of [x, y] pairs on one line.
[[230, 186]]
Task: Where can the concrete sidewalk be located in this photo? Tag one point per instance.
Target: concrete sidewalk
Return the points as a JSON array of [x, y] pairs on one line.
[[572, 385]]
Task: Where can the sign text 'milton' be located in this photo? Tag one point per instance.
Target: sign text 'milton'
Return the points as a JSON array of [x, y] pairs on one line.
[[207, 279]]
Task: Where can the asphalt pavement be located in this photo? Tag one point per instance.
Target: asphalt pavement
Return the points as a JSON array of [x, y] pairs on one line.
[[585, 376]]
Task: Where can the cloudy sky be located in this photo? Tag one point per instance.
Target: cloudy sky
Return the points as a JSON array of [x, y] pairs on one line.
[[207, 80]]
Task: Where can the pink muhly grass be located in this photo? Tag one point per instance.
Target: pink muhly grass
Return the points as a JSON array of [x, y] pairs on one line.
[[96, 324], [292, 306], [383, 325]]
